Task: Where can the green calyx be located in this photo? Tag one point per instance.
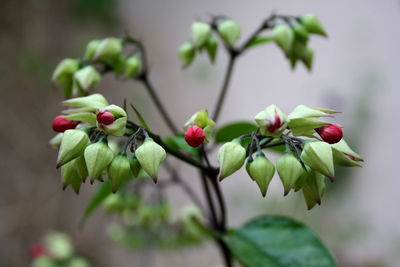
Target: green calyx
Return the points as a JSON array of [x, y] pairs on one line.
[[97, 157], [318, 156], [261, 170], [85, 79], [74, 173], [343, 155], [118, 171], [231, 157], [289, 170], [135, 165], [186, 53], [272, 121], [229, 31], [108, 50], [88, 103], [283, 37], [73, 145], [312, 24], [91, 49], [118, 127], [150, 156], [313, 188], [62, 75], [133, 66], [200, 33]]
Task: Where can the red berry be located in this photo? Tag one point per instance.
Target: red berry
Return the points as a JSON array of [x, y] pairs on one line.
[[61, 124], [105, 117], [36, 250], [277, 123], [194, 136], [331, 133]]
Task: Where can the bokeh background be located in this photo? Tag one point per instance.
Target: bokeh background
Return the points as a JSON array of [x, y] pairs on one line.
[[356, 71]]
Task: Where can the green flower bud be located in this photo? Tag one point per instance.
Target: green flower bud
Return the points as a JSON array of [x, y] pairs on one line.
[[56, 140], [74, 173], [289, 170], [343, 155], [78, 262], [88, 117], [318, 155], [300, 32], [109, 50], [119, 171], [73, 145], [98, 156], [229, 31], [118, 126], [231, 158], [313, 188], [302, 179], [272, 121], [62, 75], [43, 261], [202, 120], [303, 112], [59, 245], [135, 165], [186, 54], [308, 57], [261, 170], [200, 33], [86, 78], [86, 103], [312, 24], [212, 48], [133, 66], [150, 155], [283, 37], [91, 49]]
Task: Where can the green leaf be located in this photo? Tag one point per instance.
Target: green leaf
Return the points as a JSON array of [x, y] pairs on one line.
[[230, 131], [102, 192], [258, 41], [141, 120], [276, 241]]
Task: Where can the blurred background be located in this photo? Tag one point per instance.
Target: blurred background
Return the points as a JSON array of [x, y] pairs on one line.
[[355, 71]]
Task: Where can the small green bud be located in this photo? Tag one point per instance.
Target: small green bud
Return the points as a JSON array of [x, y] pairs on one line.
[[212, 48], [302, 179], [261, 170], [59, 245], [202, 120], [86, 103], [200, 33], [98, 156], [135, 165], [62, 75], [86, 78], [119, 171], [272, 121], [78, 262], [150, 155], [229, 31], [91, 49], [289, 170], [283, 37], [313, 188], [43, 261], [308, 57], [186, 54], [56, 140], [109, 50], [343, 155], [312, 24], [73, 145], [118, 126], [318, 155], [74, 173], [300, 32], [231, 158], [133, 66]]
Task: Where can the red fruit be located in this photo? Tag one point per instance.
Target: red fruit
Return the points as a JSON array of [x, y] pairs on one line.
[[37, 250], [276, 124], [194, 136], [105, 117], [61, 124], [331, 133]]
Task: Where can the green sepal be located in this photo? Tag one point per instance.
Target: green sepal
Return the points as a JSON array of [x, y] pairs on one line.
[[343, 155], [135, 165], [85, 79], [73, 145], [229, 31], [63, 74], [289, 169], [186, 53], [150, 155], [231, 157], [266, 117], [261, 170], [318, 156], [91, 49], [74, 173], [88, 117], [98, 156], [283, 37], [212, 48], [314, 188], [109, 50], [87, 103], [133, 66], [200, 33], [118, 171], [312, 24]]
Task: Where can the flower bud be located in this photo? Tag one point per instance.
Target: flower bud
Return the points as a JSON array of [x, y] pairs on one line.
[[74, 173], [313, 188], [98, 156], [272, 121], [108, 50], [86, 78], [283, 37], [133, 66], [331, 133], [200, 33], [194, 136], [73, 145], [312, 24], [91, 49], [37, 250], [261, 170], [343, 155], [186, 54], [318, 155], [119, 171], [289, 170], [300, 32], [150, 155], [212, 48], [86, 103], [59, 246], [229, 31], [61, 124], [231, 158], [112, 120], [62, 75], [55, 142], [202, 120], [135, 165]]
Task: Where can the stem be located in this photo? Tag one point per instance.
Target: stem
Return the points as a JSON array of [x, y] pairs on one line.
[[150, 89]]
